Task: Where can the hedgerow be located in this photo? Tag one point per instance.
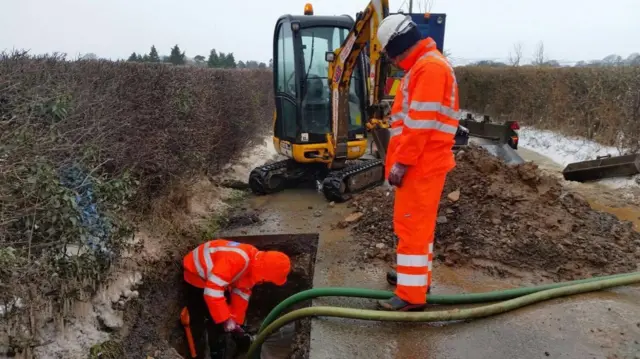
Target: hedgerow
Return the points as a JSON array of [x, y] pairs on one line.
[[82, 144], [598, 103]]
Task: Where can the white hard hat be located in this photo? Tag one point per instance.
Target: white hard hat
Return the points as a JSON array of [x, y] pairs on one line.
[[393, 25]]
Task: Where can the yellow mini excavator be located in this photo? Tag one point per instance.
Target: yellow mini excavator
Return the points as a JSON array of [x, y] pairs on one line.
[[329, 81], [324, 105]]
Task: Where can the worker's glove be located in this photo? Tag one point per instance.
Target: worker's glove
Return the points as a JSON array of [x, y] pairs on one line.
[[230, 326], [397, 174]]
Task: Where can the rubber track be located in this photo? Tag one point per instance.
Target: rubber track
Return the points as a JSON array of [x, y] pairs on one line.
[[258, 177], [333, 182]]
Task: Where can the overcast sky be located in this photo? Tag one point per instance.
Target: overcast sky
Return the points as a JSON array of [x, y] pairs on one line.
[[571, 30]]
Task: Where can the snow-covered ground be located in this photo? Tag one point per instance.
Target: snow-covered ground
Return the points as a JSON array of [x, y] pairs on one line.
[[564, 150]]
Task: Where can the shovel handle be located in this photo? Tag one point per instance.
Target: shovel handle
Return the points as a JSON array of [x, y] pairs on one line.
[[192, 346], [184, 319]]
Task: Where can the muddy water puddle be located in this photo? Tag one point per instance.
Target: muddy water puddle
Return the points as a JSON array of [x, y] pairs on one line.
[[626, 213]]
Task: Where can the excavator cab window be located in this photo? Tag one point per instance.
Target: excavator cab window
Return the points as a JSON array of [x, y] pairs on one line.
[[302, 95], [285, 84], [316, 107]]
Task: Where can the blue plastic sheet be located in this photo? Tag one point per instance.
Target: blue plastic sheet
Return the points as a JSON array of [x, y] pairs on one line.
[[98, 227]]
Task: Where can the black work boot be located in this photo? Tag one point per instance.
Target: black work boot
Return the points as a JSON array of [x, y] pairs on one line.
[[392, 277]]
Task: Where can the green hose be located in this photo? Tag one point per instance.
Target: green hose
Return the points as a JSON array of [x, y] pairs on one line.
[[444, 315], [467, 298]]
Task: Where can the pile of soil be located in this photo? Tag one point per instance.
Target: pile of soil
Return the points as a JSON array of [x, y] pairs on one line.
[[505, 219]]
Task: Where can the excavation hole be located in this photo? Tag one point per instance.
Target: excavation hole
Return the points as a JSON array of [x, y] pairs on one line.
[[154, 326]]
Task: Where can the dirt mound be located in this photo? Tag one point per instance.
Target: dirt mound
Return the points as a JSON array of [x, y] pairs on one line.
[[509, 218]]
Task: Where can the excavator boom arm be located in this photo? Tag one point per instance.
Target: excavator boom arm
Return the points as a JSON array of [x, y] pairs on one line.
[[362, 35]]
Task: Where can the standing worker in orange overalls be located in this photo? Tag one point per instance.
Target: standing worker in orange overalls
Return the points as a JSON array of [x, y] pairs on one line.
[[220, 267], [424, 122]]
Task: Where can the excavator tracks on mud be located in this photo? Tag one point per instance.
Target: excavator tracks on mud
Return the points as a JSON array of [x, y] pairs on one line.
[[340, 185], [277, 176], [337, 186], [269, 178]]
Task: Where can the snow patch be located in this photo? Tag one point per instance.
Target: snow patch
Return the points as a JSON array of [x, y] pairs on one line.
[[7, 308], [260, 154], [565, 150], [74, 338]]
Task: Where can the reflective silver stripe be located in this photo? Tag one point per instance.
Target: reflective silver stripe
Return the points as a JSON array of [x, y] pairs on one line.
[[413, 260], [429, 265], [405, 93], [429, 125], [453, 75], [412, 280], [236, 250], [217, 280], [426, 106], [196, 261], [396, 116], [434, 106], [430, 248], [395, 131], [215, 293], [204, 272], [207, 259], [242, 294]]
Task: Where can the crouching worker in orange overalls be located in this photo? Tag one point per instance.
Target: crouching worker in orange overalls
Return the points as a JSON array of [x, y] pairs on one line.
[[424, 121], [220, 267]]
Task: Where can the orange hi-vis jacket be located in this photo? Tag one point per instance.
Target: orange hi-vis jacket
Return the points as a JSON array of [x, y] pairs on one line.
[[424, 116], [220, 265]]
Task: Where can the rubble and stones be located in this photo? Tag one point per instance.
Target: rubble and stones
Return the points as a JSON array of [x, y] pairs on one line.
[[497, 216]]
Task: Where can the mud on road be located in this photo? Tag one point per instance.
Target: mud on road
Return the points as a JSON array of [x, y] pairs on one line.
[[509, 221]]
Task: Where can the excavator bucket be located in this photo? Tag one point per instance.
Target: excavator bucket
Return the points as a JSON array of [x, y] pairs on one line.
[[381, 138]]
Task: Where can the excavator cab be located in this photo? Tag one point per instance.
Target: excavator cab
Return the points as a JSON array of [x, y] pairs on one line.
[[302, 119]]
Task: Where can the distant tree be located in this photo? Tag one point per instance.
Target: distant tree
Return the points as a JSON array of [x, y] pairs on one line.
[[133, 57], [222, 59], [489, 63], [89, 56], [552, 63], [270, 63], [262, 65], [252, 64], [612, 60], [230, 61], [516, 55], [241, 65], [199, 59], [176, 57], [153, 54], [633, 59], [214, 59], [538, 56]]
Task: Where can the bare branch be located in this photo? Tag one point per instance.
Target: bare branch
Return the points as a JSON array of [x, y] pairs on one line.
[[538, 56], [515, 56]]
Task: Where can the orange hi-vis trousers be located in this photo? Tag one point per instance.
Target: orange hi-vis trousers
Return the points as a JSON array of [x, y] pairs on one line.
[[414, 221]]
